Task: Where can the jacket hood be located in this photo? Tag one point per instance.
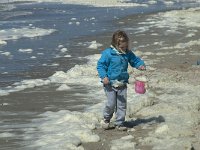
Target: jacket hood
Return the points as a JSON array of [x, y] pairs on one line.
[[116, 51]]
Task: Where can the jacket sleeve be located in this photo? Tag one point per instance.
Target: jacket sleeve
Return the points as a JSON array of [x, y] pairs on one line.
[[135, 61], [102, 65]]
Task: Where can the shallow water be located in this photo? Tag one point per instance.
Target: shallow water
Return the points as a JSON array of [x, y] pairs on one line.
[[69, 21]]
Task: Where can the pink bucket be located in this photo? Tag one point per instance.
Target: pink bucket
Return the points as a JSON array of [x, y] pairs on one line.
[[140, 87]]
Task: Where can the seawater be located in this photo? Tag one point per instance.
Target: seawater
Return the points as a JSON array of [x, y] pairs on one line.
[[72, 24]]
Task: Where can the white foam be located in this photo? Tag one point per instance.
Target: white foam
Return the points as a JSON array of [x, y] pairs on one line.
[[78, 23], [86, 74], [190, 35], [19, 86], [63, 87], [184, 45], [6, 135], [5, 6], [54, 64], [3, 42], [4, 1], [65, 130], [73, 19], [161, 129], [188, 44], [29, 50], [152, 2], [96, 3], [173, 21], [159, 43], [180, 18], [60, 46], [5, 73], [63, 50], [168, 2], [67, 56], [6, 53], [5, 104], [33, 57], [94, 45], [29, 32], [4, 92], [40, 53]]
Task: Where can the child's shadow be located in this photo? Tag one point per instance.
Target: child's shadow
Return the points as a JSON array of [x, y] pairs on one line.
[[152, 120]]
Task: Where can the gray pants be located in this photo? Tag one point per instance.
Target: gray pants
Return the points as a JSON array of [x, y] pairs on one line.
[[116, 102]]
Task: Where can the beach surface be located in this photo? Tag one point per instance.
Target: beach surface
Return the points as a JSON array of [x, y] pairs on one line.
[[167, 115]]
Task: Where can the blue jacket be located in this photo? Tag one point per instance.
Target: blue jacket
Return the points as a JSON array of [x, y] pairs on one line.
[[114, 65]]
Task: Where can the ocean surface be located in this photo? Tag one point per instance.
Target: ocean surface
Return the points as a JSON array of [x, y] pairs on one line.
[[36, 41]]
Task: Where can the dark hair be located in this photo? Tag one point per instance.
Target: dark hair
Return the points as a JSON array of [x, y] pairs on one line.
[[119, 36]]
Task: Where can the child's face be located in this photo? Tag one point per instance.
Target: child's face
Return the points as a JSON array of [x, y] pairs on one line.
[[123, 46]]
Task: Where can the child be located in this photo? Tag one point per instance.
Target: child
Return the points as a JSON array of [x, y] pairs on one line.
[[112, 69]]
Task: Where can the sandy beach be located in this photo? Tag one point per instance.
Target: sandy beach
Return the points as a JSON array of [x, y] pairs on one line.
[[167, 116]]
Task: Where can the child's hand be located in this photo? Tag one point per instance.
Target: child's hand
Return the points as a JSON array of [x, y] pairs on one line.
[[105, 80], [142, 68]]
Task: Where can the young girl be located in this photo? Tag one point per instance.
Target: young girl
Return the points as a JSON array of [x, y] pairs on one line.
[[112, 69]]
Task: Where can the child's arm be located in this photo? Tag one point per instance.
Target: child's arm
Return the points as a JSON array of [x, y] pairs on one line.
[[135, 61], [102, 66]]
